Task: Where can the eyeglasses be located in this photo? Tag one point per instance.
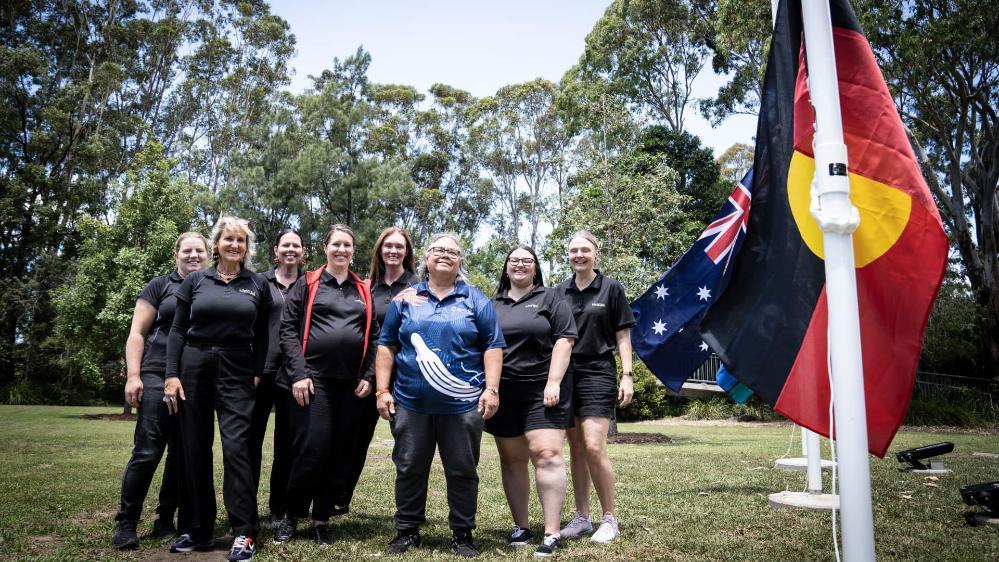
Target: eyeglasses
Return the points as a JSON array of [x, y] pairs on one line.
[[438, 251], [521, 261]]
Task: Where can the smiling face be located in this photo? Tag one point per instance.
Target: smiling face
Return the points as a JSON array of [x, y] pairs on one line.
[[520, 268], [393, 250], [339, 250], [582, 255], [289, 250], [191, 255], [231, 246], [444, 257]]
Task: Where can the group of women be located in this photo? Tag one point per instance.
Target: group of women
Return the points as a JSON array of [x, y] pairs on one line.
[[330, 352]]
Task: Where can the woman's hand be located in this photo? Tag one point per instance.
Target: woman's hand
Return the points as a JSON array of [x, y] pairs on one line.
[[363, 389], [552, 392], [302, 390], [133, 391], [626, 391], [386, 406], [410, 295], [173, 391], [488, 404], [256, 382]]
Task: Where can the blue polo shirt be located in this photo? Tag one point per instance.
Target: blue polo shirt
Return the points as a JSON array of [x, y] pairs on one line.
[[439, 367]]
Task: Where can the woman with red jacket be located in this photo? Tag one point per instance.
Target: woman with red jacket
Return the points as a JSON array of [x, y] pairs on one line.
[[328, 334]]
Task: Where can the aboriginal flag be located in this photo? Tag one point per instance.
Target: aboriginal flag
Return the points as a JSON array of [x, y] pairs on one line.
[[770, 325]]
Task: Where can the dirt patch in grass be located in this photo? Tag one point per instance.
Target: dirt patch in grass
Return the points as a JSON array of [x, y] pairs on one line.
[[109, 417], [631, 438]]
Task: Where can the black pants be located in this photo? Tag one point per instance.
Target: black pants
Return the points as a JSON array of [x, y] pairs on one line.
[[364, 430], [458, 437], [269, 396], [324, 437], [155, 432], [220, 380]]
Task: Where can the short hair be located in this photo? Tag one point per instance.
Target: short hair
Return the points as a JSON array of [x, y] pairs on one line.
[[191, 234], [504, 279], [281, 234], [226, 222], [462, 271], [338, 227], [585, 235], [378, 262]]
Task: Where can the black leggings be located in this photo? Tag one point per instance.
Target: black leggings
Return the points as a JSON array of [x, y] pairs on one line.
[[270, 395], [155, 432]]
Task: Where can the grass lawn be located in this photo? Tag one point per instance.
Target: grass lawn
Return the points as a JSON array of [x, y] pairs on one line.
[[701, 497]]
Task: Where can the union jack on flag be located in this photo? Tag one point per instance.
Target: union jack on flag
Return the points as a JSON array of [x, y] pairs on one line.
[[667, 314]]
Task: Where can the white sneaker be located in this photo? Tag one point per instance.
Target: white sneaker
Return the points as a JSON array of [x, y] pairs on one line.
[[576, 527], [607, 531]]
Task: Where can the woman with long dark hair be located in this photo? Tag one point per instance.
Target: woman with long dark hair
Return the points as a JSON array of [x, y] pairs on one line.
[[273, 392], [155, 429], [328, 335], [217, 346], [535, 395]]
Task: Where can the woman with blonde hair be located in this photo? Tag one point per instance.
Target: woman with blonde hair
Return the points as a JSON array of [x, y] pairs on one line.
[[217, 346]]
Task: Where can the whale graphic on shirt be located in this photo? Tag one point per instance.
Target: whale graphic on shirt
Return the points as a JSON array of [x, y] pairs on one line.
[[436, 373]]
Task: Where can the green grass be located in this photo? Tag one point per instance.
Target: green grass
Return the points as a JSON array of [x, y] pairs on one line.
[[701, 497]]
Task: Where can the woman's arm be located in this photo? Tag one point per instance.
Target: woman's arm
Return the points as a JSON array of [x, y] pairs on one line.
[[492, 360], [627, 388], [142, 320], [384, 362], [290, 333], [556, 370]]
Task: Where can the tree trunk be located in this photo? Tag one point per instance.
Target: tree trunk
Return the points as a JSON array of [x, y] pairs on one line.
[[126, 409], [612, 430]]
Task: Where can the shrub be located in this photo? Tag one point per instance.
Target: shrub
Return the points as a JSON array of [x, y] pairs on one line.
[[650, 401], [960, 408]]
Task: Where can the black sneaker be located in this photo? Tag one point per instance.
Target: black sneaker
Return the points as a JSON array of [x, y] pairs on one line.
[[321, 535], [341, 509], [124, 537], [548, 546], [285, 530], [520, 536], [242, 549], [163, 529], [462, 545], [185, 543], [403, 541]]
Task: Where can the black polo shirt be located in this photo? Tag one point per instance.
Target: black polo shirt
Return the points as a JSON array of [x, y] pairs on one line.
[[531, 326], [159, 294], [600, 310], [213, 312], [382, 294], [336, 337], [278, 294]]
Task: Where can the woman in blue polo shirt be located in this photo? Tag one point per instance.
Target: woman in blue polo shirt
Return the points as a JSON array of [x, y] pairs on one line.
[[447, 350], [603, 321], [217, 346], [155, 430], [536, 395]]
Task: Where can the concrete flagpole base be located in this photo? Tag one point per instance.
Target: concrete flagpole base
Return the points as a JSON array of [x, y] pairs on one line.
[[800, 464], [980, 518], [804, 500]]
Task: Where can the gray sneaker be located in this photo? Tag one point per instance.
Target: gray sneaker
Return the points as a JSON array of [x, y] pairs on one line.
[[607, 531], [576, 527]]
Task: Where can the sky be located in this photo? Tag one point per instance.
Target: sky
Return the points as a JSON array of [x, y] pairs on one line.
[[473, 45]]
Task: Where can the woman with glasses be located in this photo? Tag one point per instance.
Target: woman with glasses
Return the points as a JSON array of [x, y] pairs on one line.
[[440, 354], [535, 409]]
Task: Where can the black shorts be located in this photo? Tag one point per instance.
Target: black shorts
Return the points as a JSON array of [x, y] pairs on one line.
[[594, 391], [522, 408]]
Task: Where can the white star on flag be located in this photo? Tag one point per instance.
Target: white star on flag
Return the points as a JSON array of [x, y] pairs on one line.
[[703, 346], [659, 327], [662, 292], [703, 293]]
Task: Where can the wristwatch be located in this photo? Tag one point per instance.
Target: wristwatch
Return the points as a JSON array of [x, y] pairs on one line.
[[626, 374]]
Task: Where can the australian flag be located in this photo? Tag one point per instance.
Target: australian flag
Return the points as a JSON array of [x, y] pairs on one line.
[[665, 335]]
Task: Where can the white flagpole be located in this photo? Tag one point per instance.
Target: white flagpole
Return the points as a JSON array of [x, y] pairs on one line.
[[838, 219]]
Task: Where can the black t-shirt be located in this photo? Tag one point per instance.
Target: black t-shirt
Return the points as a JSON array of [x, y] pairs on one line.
[[600, 310], [210, 311], [531, 326], [382, 294], [336, 336], [159, 294], [278, 294]]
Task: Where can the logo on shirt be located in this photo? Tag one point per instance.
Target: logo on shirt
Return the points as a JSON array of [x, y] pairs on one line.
[[250, 292], [532, 306], [600, 304]]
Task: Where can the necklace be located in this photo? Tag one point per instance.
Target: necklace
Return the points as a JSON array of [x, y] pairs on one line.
[[227, 276]]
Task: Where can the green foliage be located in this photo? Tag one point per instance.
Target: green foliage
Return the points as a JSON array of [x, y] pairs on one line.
[[951, 341], [741, 30], [955, 408], [697, 172], [94, 307], [650, 401], [723, 408]]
